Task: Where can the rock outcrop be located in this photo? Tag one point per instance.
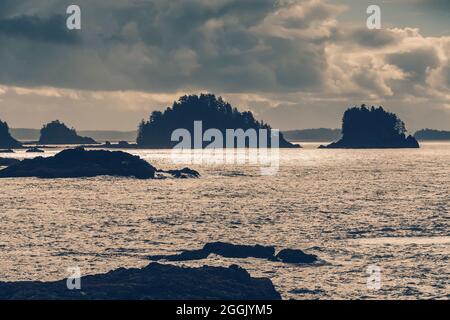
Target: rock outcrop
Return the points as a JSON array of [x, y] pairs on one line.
[[79, 163], [228, 250], [296, 256], [185, 173], [154, 282], [6, 140]]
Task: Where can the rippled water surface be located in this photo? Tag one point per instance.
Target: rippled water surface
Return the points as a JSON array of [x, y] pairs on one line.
[[352, 208]]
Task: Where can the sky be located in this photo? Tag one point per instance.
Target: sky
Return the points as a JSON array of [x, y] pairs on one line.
[[295, 63]]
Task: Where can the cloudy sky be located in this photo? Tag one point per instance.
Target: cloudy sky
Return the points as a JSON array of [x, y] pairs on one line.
[[294, 63]]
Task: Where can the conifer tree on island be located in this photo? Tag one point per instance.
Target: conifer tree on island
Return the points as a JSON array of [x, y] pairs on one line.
[[212, 111], [365, 128]]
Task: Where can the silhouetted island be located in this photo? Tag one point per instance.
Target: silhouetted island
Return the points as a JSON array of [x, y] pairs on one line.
[[24, 134], [214, 113], [57, 132], [364, 128], [6, 140], [79, 163], [154, 282], [432, 135], [228, 250]]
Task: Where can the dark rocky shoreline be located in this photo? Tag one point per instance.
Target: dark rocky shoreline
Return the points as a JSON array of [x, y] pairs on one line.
[[6, 162], [154, 282], [80, 163], [228, 250]]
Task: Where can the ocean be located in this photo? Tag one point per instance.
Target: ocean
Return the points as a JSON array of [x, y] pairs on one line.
[[357, 210]]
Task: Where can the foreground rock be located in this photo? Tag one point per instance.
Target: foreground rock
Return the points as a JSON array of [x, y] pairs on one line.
[[228, 250], [374, 128], [6, 162], [154, 282], [79, 163], [296, 256], [185, 173]]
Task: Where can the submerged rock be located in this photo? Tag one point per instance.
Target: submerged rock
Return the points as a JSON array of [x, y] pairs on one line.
[[186, 255], [183, 173], [6, 162], [296, 256], [35, 150], [154, 282], [225, 250], [79, 163], [228, 250]]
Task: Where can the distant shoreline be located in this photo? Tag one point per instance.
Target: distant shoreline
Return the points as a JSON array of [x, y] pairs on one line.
[[31, 136]]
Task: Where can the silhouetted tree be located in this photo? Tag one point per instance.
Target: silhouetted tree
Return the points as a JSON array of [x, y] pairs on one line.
[[373, 128], [57, 132], [212, 111]]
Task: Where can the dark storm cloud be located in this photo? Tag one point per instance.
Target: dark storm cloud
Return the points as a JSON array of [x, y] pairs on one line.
[[436, 4], [35, 28], [161, 45], [373, 38], [8, 6]]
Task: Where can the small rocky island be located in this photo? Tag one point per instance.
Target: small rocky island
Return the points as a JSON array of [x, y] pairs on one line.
[[6, 140], [374, 128], [213, 112], [58, 133], [154, 282], [80, 163]]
